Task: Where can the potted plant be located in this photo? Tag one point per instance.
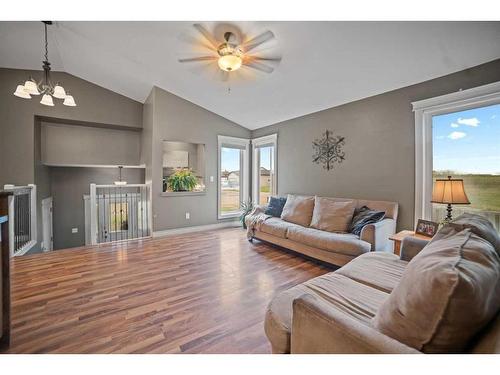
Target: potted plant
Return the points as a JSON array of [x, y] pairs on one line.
[[246, 208], [182, 180]]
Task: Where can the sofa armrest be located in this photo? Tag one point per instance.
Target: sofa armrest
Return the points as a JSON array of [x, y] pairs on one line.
[[411, 246], [377, 234], [318, 328]]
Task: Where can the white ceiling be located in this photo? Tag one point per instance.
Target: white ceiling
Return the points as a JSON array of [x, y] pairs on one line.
[[324, 64]]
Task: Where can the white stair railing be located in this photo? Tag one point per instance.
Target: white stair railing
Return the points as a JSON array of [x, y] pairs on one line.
[[22, 219]]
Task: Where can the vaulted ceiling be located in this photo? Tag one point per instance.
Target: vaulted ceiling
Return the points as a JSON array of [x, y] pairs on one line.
[[324, 64]]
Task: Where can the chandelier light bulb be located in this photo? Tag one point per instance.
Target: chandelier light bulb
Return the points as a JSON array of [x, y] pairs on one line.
[[21, 92], [47, 100], [69, 101], [59, 92], [31, 87]]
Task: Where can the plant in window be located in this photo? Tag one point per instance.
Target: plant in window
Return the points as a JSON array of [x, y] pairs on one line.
[[182, 180], [246, 208]]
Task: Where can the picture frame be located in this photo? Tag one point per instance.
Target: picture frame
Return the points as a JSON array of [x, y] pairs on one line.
[[426, 228]]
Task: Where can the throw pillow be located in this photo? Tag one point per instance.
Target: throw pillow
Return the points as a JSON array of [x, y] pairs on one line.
[[332, 215], [275, 206], [364, 216], [447, 294], [298, 209]]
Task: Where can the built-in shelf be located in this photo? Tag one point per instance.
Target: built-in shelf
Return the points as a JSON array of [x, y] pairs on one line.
[[182, 193], [140, 166]]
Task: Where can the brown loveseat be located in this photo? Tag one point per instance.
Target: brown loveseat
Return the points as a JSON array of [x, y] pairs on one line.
[[437, 297], [334, 248]]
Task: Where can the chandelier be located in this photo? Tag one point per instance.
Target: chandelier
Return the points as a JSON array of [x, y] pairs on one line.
[[45, 86]]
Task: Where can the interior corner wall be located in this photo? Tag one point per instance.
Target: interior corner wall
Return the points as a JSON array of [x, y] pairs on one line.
[[379, 143], [175, 119]]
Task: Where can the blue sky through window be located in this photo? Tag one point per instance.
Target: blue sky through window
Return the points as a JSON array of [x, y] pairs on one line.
[[467, 141], [230, 160]]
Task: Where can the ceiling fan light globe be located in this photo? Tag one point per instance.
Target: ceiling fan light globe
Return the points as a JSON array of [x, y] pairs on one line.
[[47, 100], [21, 92], [229, 63], [31, 87], [59, 92]]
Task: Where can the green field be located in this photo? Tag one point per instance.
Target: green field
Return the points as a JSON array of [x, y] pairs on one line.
[[483, 190]]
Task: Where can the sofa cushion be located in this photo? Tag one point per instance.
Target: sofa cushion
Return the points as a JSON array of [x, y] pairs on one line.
[[448, 292], [480, 226], [332, 215], [364, 216], [344, 243], [298, 209], [347, 296], [379, 270], [275, 206], [276, 227]]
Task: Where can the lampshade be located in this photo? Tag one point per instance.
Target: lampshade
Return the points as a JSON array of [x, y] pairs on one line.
[[47, 100], [229, 63], [69, 101], [31, 87], [449, 191], [21, 92], [59, 92]]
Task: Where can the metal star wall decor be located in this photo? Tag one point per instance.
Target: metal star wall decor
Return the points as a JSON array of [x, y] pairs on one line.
[[328, 150]]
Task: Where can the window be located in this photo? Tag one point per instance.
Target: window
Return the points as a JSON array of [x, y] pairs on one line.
[[459, 133], [233, 176], [264, 168], [466, 145]]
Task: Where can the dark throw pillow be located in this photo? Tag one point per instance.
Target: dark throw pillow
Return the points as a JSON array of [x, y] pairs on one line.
[[363, 216], [275, 206]]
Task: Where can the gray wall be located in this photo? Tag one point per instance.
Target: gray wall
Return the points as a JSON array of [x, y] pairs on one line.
[[168, 117], [72, 144], [95, 104], [68, 185], [380, 143]]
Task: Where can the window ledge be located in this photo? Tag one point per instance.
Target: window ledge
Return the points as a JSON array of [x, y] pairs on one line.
[[181, 193]]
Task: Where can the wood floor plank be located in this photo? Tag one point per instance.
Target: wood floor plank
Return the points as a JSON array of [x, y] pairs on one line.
[[203, 292]]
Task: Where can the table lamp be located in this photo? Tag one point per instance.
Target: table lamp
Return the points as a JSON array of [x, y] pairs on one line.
[[449, 191]]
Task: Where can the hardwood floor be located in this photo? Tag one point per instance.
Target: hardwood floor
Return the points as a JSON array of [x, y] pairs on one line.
[[202, 292]]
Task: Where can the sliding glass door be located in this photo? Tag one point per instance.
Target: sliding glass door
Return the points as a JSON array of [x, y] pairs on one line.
[[233, 177]]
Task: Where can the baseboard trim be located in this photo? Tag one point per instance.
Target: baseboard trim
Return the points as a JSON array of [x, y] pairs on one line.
[[197, 228]]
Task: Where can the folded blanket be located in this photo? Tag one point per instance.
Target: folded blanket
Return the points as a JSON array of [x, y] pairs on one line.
[[254, 220]]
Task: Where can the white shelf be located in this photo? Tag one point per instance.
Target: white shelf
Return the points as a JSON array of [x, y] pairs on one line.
[[140, 166]]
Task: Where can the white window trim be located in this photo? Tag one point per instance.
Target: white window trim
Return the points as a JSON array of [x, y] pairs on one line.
[[222, 139], [256, 143], [462, 100]]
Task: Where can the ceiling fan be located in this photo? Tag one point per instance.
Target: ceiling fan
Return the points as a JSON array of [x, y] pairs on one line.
[[234, 51]]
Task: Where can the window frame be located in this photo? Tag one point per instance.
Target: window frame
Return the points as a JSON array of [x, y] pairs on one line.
[[425, 110], [271, 139], [226, 141]]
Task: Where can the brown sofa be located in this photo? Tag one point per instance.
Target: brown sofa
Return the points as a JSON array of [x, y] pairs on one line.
[[334, 248], [344, 311]]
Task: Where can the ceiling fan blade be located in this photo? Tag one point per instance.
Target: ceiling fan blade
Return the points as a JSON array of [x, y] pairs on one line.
[[272, 59], [259, 66], [207, 35], [195, 59], [257, 41]]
